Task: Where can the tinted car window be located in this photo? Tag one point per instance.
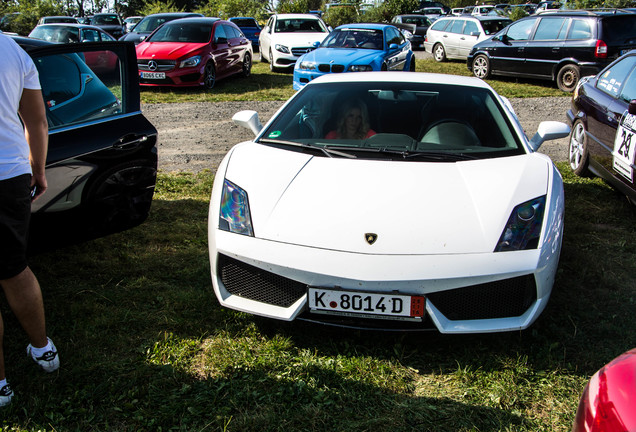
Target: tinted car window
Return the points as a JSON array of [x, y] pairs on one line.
[[90, 35], [176, 32], [394, 37], [613, 78], [520, 30], [619, 29], [220, 33], [549, 28], [629, 89], [581, 29], [244, 22], [492, 27], [74, 93]]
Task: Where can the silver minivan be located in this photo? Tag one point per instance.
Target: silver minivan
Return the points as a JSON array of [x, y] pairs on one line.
[[453, 37]]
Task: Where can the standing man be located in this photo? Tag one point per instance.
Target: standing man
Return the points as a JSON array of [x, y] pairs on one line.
[[22, 159]]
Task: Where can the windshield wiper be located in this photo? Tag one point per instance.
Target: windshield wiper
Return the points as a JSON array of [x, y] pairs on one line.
[[327, 151], [440, 156]]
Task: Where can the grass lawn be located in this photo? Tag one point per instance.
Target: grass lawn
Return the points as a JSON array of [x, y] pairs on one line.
[[145, 346]]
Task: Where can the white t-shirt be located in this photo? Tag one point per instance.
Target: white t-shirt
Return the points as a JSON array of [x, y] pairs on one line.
[[17, 72]]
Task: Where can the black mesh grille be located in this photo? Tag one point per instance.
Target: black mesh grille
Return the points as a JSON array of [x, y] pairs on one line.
[[323, 67], [501, 299], [252, 283], [337, 68]]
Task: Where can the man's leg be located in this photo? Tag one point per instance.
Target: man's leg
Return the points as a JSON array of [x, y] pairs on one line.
[[25, 299]]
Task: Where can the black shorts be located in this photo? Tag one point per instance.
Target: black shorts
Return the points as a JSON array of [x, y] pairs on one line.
[[15, 215]]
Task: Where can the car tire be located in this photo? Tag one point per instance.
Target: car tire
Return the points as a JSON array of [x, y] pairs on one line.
[[247, 65], [481, 66], [578, 151], [568, 78], [260, 52], [272, 68], [439, 53], [209, 76], [120, 197], [412, 65], [384, 67]]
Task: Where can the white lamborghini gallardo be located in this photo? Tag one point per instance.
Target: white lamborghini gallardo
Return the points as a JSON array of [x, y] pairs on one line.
[[437, 213]]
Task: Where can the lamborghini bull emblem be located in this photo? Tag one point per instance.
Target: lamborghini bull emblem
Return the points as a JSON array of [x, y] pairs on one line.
[[370, 237]]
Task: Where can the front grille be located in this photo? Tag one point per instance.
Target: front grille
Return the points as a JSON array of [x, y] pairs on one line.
[[253, 283], [300, 51], [324, 67], [501, 299], [162, 65]]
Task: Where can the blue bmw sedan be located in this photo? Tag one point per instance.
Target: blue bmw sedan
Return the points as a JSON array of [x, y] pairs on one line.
[[356, 48]]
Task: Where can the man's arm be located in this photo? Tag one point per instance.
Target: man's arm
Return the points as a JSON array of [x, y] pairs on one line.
[[36, 130]]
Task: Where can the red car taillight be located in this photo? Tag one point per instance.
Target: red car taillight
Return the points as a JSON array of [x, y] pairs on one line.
[[607, 403], [601, 49], [257, 34]]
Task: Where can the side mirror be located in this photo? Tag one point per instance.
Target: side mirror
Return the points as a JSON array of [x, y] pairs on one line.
[[549, 130], [220, 40], [249, 120], [393, 46], [631, 108], [316, 44]]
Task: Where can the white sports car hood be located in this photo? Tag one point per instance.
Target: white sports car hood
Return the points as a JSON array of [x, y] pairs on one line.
[[412, 207]]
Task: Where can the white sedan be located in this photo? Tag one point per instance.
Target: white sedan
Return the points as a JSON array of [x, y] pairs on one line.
[[381, 200], [288, 36]]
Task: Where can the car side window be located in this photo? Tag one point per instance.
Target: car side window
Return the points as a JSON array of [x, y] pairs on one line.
[[471, 28], [220, 34], [580, 29], [613, 78], [440, 25], [457, 26], [394, 37], [520, 30], [107, 37], [80, 87], [629, 89], [90, 35], [549, 28]]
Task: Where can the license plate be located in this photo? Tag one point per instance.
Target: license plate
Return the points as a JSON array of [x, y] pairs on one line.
[[625, 51], [367, 305], [153, 75]]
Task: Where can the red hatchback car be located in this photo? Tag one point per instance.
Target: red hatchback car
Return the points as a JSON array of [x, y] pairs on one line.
[[190, 52]]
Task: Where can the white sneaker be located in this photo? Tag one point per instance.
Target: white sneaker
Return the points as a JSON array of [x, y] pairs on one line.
[[5, 395], [49, 361]]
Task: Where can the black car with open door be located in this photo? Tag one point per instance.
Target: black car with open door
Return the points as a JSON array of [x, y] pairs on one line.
[[102, 160]]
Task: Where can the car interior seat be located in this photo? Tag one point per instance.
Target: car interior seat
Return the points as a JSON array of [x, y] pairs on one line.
[[451, 132]]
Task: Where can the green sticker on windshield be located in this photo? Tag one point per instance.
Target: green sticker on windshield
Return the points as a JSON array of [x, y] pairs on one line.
[[274, 134]]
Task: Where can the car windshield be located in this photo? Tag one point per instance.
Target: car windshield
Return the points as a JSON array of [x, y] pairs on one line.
[[55, 34], [493, 26], [354, 38], [293, 25], [148, 24], [398, 121], [106, 20], [180, 32]]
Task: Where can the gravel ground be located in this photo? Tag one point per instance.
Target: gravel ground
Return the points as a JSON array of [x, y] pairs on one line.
[[196, 136]]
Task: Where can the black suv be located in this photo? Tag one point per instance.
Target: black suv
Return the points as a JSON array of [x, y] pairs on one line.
[[561, 46]]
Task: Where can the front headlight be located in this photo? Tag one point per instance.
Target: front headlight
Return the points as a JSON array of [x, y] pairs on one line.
[[282, 48], [523, 230], [190, 62], [234, 215], [306, 65], [360, 68]]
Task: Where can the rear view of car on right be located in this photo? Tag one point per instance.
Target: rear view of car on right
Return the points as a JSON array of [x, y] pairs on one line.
[[603, 119]]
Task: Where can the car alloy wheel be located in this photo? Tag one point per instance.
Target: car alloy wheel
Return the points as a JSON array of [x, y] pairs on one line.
[[439, 53], [481, 66], [247, 65], [568, 78], [209, 76], [578, 150]]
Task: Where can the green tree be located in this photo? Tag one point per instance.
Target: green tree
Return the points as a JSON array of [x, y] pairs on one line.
[[342, 14], [158, 6], [231, 8]]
